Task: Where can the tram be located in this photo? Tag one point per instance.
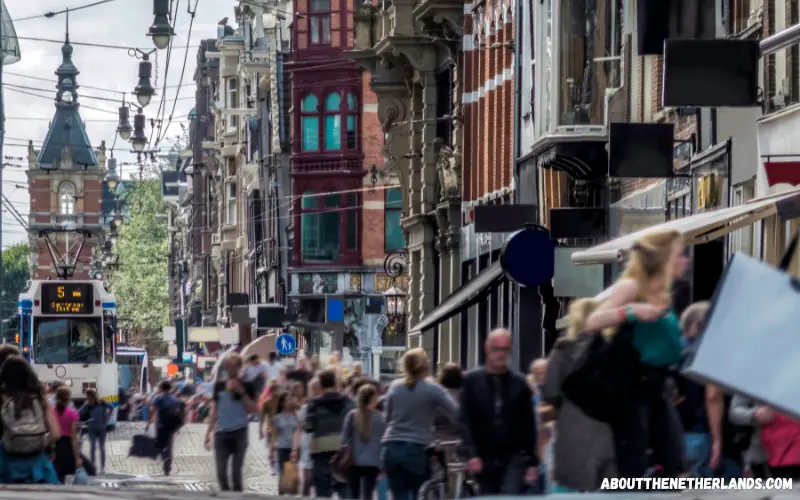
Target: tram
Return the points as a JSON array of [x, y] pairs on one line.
[[68, 333], [133, 368]]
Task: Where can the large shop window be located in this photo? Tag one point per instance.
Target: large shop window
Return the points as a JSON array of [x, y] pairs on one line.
[[310, 124], [589, 59], [334, 111], [320, 20], [319, 224], [393, 210]]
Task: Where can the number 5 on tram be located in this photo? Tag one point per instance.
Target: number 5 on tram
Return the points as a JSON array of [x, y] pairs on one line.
[[68, 333]]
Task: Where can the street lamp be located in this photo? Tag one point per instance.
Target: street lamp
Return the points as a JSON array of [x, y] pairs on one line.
[[394, 265], [161, 31], [138, 141], [124, 128], [144, 92], [395, 302], [117, 221], [111, 176]]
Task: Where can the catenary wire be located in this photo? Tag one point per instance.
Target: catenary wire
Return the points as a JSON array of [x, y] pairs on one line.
[[50, 97], [53, 14], [81, 95], [53, 80], [162, 100], [84, 44]]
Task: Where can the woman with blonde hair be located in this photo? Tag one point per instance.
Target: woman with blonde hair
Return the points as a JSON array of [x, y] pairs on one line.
[[411, 406], [639, 304], [362, 432]]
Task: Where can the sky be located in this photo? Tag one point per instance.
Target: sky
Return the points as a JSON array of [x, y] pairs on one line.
[[119, 22]]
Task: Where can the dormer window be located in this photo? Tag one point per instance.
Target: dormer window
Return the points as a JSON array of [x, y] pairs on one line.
[[66, 197]]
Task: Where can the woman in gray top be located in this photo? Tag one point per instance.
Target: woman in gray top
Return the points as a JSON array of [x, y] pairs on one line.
[[362, 432], [412, 404]]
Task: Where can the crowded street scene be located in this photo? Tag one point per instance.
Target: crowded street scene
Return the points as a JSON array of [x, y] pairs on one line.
[[399, 249]]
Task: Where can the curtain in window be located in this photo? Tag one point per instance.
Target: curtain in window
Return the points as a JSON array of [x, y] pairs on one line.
[[310, 124], [333, 122], [393, 233]]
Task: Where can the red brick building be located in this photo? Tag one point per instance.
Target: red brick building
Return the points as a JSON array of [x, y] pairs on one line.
[[65, 183], [342, 225]]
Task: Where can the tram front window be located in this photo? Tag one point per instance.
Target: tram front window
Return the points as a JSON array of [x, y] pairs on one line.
[[67, 340]]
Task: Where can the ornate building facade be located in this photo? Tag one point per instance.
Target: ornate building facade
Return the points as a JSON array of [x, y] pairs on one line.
[[65, 179]]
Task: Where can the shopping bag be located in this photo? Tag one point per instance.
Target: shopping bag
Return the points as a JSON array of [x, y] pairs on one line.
[[750, 344], [143, 446], [81, 477], [289, 483]]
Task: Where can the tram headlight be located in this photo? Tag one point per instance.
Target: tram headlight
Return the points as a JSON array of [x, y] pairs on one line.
[[68, 382]]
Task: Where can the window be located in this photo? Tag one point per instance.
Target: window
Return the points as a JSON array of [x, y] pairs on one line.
[[66, 198], [320, 20], [233, 101], [319, 226], [333, 122], [393, 209], [70, 340], [231, 203], [309, 122], [352, 221], [352, 121]]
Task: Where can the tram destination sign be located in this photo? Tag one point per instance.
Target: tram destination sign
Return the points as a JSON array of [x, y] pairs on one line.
[[67, 298]]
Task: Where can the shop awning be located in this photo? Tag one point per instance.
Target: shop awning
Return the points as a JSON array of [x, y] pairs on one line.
[[464, 297], [698, 228]]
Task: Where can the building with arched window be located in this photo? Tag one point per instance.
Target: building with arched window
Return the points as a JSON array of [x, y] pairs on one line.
[[65, 184], [346, 209]]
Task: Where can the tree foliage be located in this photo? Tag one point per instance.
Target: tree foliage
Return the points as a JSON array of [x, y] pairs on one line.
[[140, 283], [16, 273]]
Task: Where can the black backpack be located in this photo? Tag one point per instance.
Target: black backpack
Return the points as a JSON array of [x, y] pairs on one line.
[[173, 416], [601, 380]]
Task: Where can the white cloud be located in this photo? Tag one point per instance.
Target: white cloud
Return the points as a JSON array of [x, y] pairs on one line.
[[122, 22]]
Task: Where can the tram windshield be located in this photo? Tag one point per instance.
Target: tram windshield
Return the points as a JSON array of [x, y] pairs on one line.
[[67, 340]]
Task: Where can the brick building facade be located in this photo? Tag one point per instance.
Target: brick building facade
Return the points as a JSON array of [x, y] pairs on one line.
[[65, 184]]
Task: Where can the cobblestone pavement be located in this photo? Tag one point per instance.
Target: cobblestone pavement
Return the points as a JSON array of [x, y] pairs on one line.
[[193, 466]]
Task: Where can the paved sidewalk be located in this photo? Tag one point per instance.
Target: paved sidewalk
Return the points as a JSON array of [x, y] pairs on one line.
[[193, 466]]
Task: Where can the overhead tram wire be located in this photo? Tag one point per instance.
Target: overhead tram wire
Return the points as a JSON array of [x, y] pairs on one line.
[[84, 44], [48, 15], [192, 13], [82, 96], [48, 97], [53, 80]]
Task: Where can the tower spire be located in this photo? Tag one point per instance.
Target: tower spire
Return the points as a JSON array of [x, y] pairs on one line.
[[66, 39]]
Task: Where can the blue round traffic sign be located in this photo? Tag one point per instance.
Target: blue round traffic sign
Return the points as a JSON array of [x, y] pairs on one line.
[[285, 344]]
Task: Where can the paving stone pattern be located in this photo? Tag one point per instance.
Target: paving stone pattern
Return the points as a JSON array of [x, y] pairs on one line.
[[193, 466]]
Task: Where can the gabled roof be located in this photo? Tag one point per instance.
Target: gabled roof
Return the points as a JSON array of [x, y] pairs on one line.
[[67, 145]]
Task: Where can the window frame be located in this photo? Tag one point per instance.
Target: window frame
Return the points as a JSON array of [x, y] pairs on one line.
[[348, 112], [231, 196], [386, 211], [318, 18], [315, 114], [232, 101], [321, 208], [71, 202], [334, 113]]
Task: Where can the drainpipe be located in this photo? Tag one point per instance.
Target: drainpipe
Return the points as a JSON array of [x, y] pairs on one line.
[[515, 295]]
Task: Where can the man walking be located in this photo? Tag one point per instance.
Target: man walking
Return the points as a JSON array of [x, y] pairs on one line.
[[167, 411], [325, 417], [498, 423]]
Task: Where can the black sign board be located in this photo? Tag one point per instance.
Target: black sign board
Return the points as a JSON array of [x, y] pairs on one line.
[[67, 298], [577, 223], [270, 316], [641, 150], [503, 218]]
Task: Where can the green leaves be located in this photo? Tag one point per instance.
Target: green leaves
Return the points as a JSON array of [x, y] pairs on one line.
[[16, 273], [141, 282]]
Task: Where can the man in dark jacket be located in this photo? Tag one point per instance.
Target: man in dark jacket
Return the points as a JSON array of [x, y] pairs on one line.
[[324, 420], [497, 422]]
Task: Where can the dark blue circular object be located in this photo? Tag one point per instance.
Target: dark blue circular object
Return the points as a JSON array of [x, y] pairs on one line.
[[528, 257]]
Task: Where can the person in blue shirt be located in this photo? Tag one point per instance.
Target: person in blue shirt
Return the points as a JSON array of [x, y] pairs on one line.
[[96, 413]]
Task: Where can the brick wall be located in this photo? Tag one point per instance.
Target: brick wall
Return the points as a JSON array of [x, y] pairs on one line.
[[44, 200], [372, 218], [488, 101]]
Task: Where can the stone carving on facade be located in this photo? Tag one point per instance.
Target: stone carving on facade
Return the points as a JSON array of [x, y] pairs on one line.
[[447, 170]]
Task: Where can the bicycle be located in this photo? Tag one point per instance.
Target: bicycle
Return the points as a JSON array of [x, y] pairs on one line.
[[436, 487]]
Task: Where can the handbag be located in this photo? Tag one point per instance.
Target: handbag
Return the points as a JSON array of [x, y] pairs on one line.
[[289, 483], [750, 344], [342, 461]]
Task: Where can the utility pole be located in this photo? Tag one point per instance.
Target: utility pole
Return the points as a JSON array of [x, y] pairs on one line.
[[2, 162]]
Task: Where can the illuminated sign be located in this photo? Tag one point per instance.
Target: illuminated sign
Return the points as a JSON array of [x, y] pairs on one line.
[[67, 298]]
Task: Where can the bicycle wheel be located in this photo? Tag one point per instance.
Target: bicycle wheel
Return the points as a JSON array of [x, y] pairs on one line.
[[432, 489]]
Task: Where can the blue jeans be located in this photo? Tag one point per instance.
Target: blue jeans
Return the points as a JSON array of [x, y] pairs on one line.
[[697, 446], [98, 438], [406, 467]]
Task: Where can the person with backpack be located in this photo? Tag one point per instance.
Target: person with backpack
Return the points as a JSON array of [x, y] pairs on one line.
[[67, 453], [96, 413], [28, 425], [168, 413]]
